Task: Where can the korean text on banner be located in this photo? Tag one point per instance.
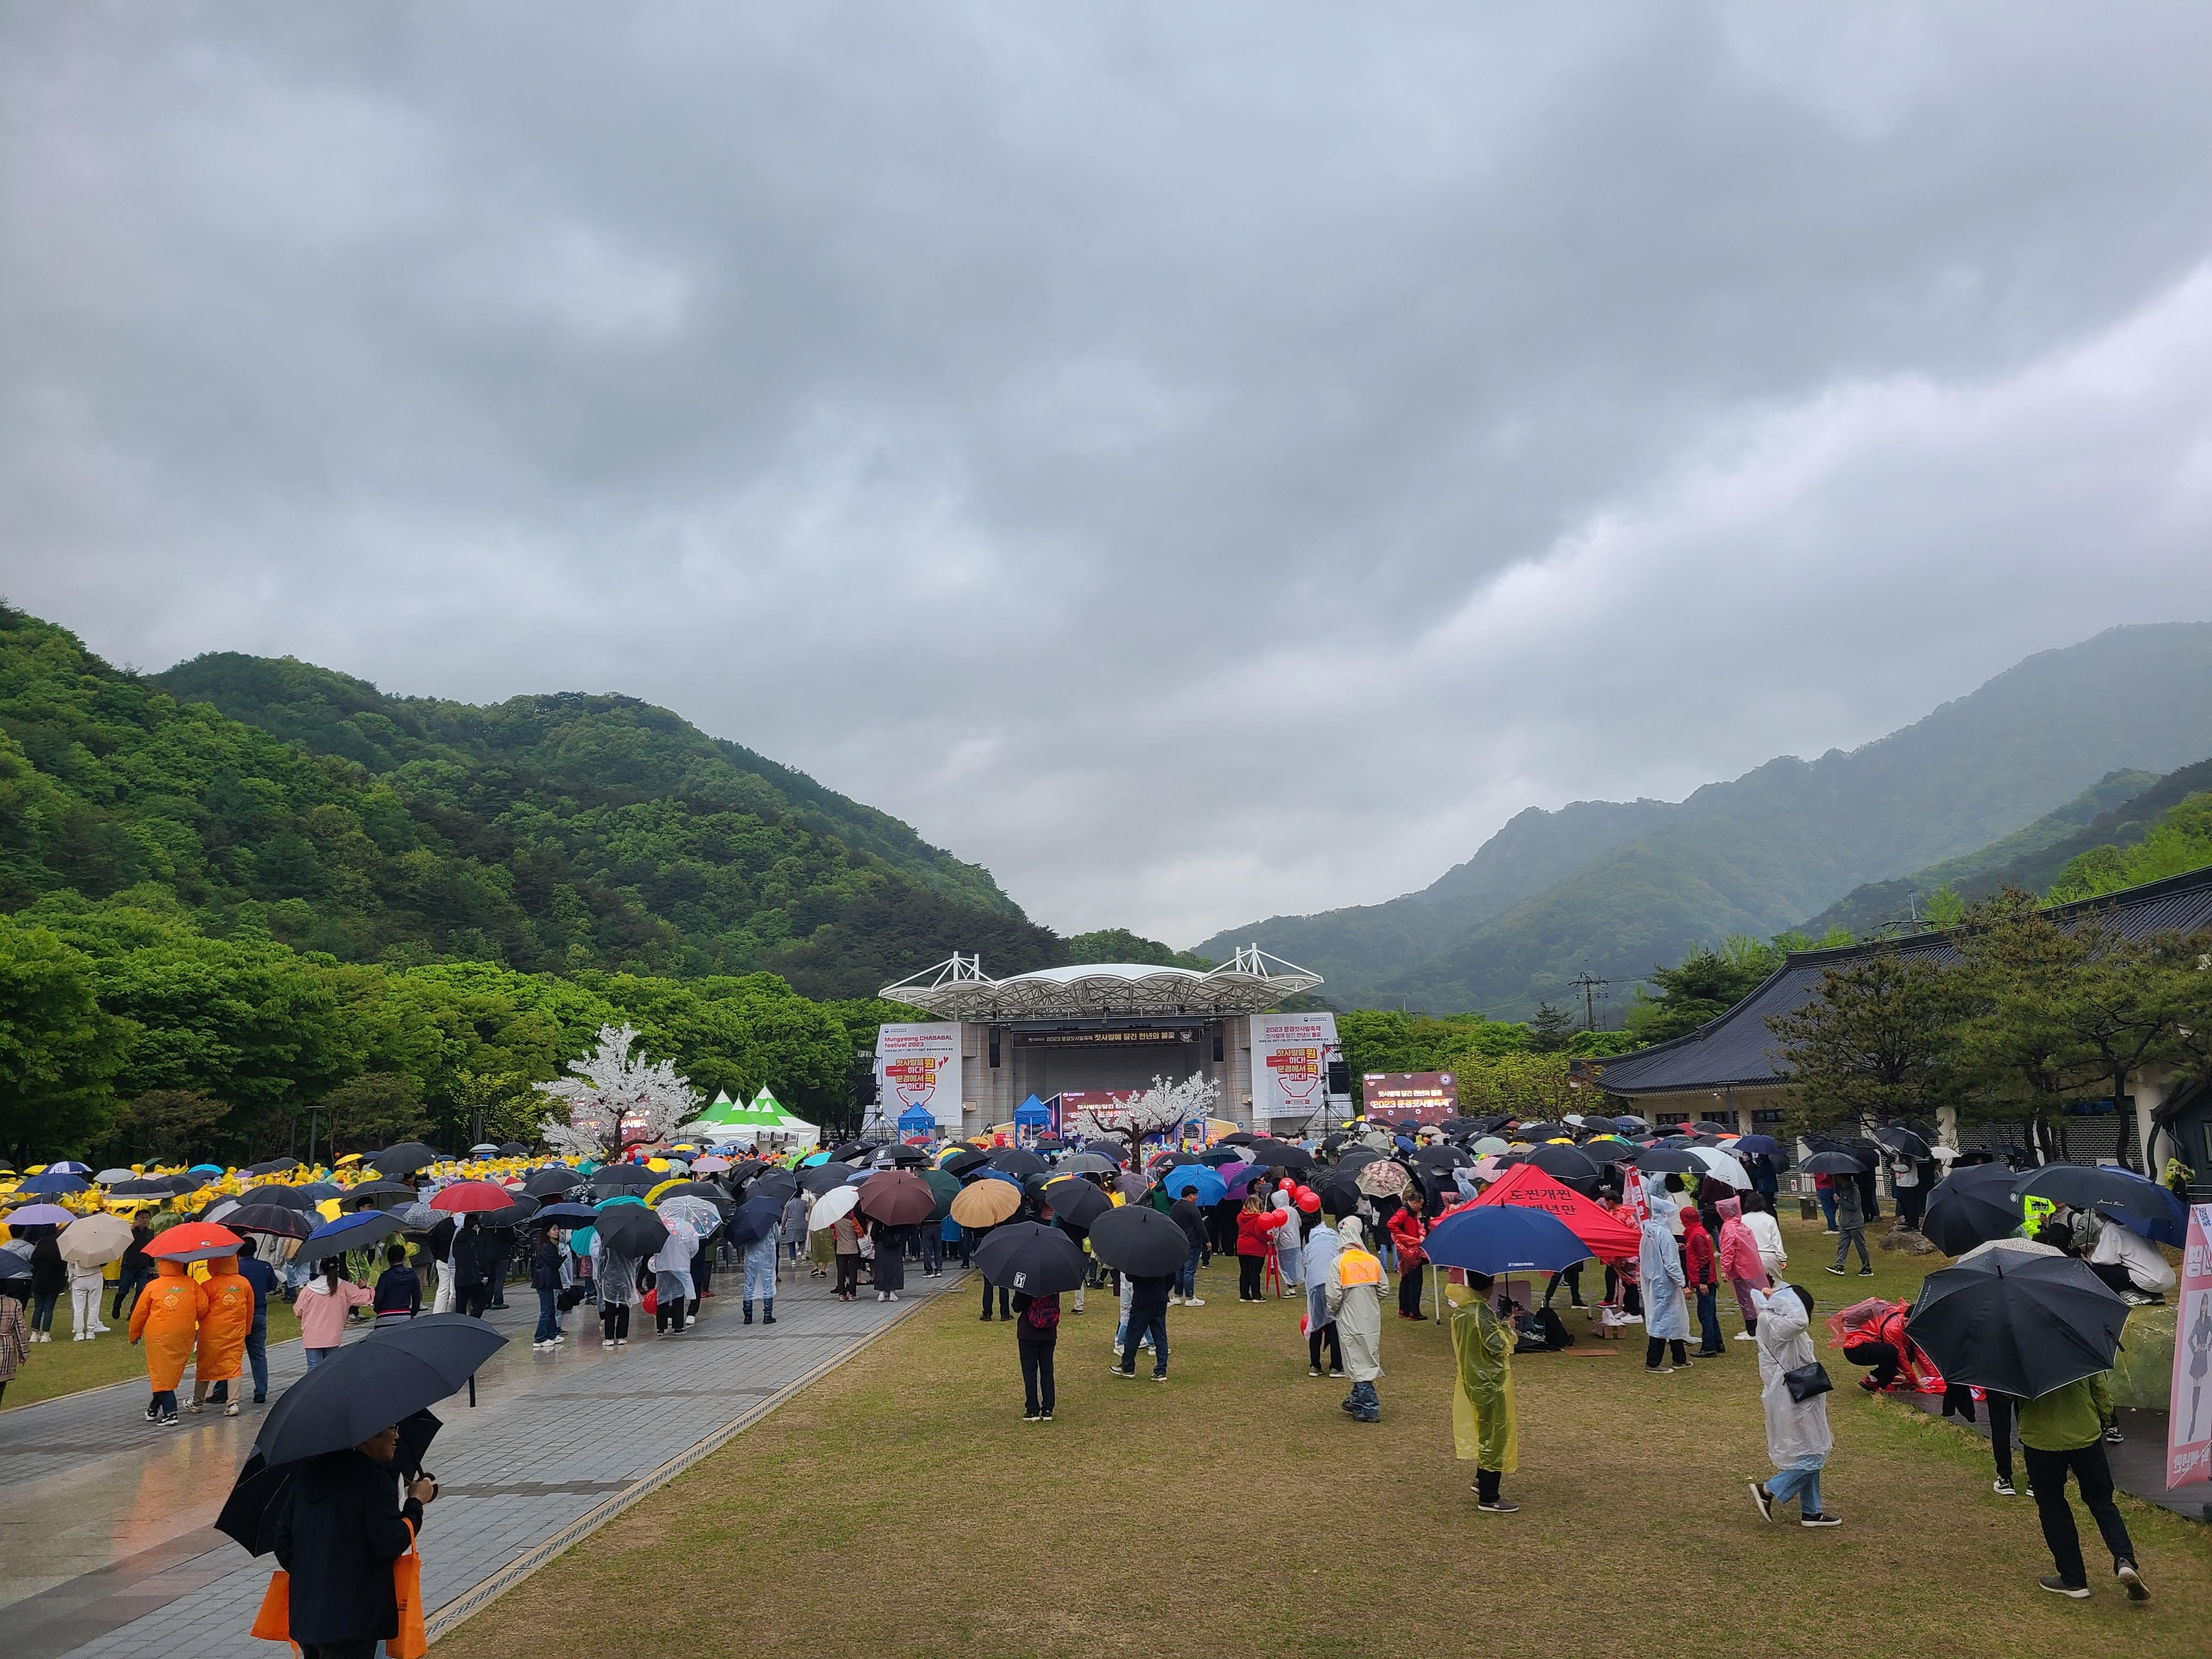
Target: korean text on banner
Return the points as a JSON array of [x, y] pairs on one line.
[[1290, 1064], [919, 1066], [2189, 1412]]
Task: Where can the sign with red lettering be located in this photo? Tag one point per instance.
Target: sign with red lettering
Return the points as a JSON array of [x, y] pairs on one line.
[[2189, 1412]]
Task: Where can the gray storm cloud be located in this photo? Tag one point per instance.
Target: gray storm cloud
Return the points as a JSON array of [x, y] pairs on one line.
[[1199, 462]]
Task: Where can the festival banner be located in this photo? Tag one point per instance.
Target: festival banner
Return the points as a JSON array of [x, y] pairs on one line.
[[1290, 1064], [2189, 1411], [919, 1064], [1424, 1096]]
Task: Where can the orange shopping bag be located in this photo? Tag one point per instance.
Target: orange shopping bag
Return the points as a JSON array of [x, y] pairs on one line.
[[273, 1623], [413, 1640]]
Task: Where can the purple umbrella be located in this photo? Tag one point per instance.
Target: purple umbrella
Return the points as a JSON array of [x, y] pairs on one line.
[[39, 1215]]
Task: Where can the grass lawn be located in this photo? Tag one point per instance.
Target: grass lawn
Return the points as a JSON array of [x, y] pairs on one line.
[[900, 1506], [65, 1365]]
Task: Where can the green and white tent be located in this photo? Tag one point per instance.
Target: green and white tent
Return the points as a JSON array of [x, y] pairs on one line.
[[765, 1120]]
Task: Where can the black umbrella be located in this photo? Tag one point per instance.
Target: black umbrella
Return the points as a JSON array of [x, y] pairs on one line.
[[1353, 1159], [405, 1158], [1025, 1256], [1162, 1162], [1088, 1163], [1568, 1163], [754, 1219], [1076, 1201], [256, 1500], [1667, 1160], [612, 1178], [152, 1187], [2023, 1325], [569, 1215], [1443, 1157], [632, 1229], [851, 1149], [369, 1192], [1704, 1127], [1139, 1241], [1241, 1137], [1340, 1195], [1902, 1141], [273, 1218], [1015, 1161], [960, 1162], [2082, 1186], [909, 1157], [545, 1184], [1602, 1151], [510, 1215], [824, 1177], [1280, 1154], [370, 1385], [1834, 1164], [291, 1198], [274, 1166], [779, 1187], [512, 1149], [1218, 1156], [1541, 1131]]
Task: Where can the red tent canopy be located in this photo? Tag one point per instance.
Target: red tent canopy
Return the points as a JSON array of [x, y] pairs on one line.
[[1526, 1185]]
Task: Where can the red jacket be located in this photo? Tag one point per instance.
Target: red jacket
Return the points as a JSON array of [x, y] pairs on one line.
[[1407, 1232], [1697, 1251], [1253, 1227]]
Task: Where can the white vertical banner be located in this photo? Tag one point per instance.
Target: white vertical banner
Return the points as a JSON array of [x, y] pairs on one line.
[[919, 1066], [1290, 1064]]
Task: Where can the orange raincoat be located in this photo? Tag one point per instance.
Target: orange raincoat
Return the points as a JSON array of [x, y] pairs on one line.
[[225, 1319], [166, 1315]]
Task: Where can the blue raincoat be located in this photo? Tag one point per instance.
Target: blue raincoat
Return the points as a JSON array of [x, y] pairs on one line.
[[1659, 1271]]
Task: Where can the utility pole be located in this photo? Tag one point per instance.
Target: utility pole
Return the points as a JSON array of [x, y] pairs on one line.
[[1589, 987]]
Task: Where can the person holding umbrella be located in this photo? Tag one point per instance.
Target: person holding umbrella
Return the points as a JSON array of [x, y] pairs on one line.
[[49, 1279], [1850, 1225], [1793, 1394], [1321, 1244], [1038, 1262], [1355, 1302], [134, 1271], [760, 1262], [341, 1530], [1485, 1424], [2062, 1433], [223, 1325], [1659, 1272]]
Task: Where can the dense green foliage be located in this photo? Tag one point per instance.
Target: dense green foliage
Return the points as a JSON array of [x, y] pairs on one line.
[[1636, 883], [1709, 980], [1120, 945], [2179, 840]]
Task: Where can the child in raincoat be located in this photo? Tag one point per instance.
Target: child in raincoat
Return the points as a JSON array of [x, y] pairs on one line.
[[224, 1321], [1355, 1302], [166, 1317], [1484, 1425]]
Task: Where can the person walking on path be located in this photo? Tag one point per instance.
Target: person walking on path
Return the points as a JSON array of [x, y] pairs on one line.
[[2062, 1433], [469, 1262], [1186, 1214], [1355, 1300], [49, 1279], [341, 1530], [890, 1260], [15, 1341], [1486, 1427], [88, 1288], [545, 1280], [616, 1278], [1320, 1249], [228, 1317], [671, 1282], [1659, 1272], [262, 1277], [845, 1240], [1700, 1271], [134, 1269], [760, 1272], [1254, 1225], [793, 1225], [323, 1305], [1740, 1265], [1798, 1440], [1147, 1323], [1036, 1333], [166, 1318], [1850, 1228], [1407, 1234], [398, 1295]]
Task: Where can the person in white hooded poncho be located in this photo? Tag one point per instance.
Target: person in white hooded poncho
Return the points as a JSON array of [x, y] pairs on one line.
[[1355, 1298], [1798, 1440], [1659, 1271]]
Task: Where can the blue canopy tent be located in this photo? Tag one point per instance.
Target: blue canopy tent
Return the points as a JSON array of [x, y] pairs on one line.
[[917, 1121], [1032, 1114]]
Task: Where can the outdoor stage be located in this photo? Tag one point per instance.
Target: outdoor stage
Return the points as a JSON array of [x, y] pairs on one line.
[[1106, 1028]]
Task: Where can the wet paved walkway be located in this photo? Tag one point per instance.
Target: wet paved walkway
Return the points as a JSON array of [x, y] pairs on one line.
[[106, 1545]]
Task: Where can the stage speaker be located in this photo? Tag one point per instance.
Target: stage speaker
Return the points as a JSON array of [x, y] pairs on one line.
[[994, 1050]]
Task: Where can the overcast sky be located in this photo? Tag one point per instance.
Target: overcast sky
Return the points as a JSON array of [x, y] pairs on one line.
[[1199, 461]]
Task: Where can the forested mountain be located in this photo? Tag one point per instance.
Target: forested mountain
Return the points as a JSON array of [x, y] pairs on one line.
[[1649, 882], [565, 834]]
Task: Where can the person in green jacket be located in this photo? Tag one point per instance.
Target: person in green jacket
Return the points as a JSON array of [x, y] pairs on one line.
[[1484, 1425], [2062, 1433]]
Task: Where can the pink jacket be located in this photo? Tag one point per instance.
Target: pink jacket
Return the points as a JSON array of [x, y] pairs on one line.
[[323, 1311], [1739, 1250]]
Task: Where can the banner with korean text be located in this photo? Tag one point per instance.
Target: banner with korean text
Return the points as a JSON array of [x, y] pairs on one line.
[[919, 1064], [2189, 1412], [1290, 1064]]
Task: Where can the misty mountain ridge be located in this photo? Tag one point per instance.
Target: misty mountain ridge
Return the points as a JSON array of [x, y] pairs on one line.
[[1616, 888]]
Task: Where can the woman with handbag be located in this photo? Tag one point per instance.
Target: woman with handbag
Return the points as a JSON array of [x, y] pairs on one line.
[[1794, 1390]]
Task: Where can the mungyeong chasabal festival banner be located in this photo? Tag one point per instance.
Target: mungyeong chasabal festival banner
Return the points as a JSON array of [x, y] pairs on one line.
[[2189, 1413], [919, 1064], [1290, 1064]]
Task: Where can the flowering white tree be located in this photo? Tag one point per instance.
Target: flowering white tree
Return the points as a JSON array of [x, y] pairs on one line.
[[614, 1101], [1162, 1108]]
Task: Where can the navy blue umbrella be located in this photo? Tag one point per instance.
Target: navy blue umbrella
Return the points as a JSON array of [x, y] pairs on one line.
[[52, 1183], [1504, 1238], [754, 1219], [573, 1215], [2142, 1205], [356, 1231]]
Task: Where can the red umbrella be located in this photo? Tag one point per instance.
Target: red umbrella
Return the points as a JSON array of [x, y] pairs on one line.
[[195, 1241], [898, 1198], [464, 1196]]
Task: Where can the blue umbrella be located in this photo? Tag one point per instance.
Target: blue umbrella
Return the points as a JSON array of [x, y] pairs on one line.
[[54, 1183], [67, 1167], [1189, 1180], [1757, 1145], [985, 1173], [354, 1232], [752, 1222], [582, 1215], [1504, 1238]]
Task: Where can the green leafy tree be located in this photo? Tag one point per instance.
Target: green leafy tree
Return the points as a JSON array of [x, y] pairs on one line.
[[1120, 945], [373, 1109], [59, 1050], [163, 1126], [1875, 1042], [1552, 1030]]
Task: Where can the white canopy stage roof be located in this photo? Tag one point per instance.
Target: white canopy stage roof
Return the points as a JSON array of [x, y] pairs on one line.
[[956, 988]]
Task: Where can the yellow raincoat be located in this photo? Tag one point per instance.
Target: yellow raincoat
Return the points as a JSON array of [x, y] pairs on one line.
[[1484, 1425]]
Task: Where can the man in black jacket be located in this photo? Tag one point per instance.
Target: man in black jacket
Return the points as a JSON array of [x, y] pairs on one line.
[[469, 1260], [340, 1531]]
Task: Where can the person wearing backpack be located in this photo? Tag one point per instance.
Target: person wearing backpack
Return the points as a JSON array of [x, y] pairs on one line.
[[1036, 1333]]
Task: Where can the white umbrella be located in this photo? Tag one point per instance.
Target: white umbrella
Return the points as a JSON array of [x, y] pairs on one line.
[[1719, 1165], [109, 1177], [832, 1207], [94, 1241]]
